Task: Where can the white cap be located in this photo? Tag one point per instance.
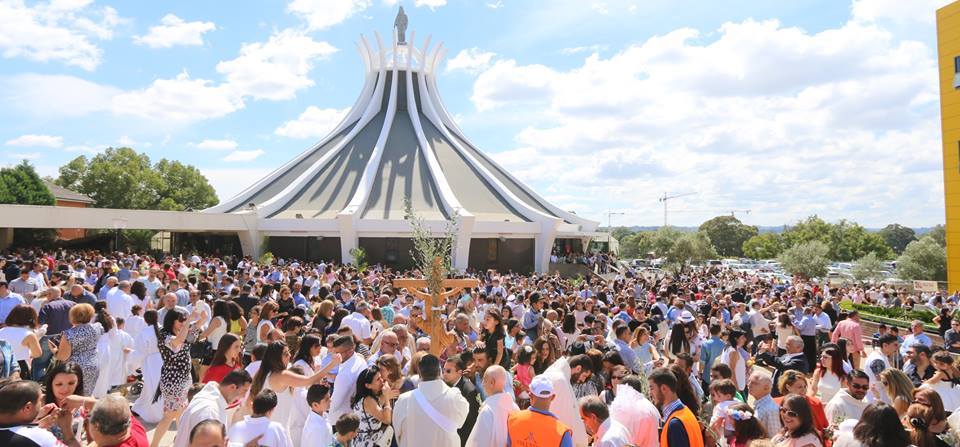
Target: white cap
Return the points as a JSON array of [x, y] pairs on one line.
[[686, 316], [541, 386]]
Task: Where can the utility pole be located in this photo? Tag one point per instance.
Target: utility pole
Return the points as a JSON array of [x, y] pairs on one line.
[[610, 215], [666, 198]]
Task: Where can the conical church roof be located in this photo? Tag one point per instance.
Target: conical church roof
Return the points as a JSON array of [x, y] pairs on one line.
[[397, 143]]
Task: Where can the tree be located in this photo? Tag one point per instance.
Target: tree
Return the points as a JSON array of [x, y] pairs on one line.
[[728, 234], [636, 245], [938, 234], [923, 259], [763, 246], [806, 259], [21, 185], [183, 187], [663, 239], [867, 267], [124, 179], [898, 236], [619, 233], [845, 240], [691, 248]]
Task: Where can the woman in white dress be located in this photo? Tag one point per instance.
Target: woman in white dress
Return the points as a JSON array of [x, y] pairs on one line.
[[829, 375], [19, 333], [146, 356], [736, 356], [273, 375]]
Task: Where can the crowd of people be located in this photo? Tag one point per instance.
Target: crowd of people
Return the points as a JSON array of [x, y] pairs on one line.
[[94, 347]]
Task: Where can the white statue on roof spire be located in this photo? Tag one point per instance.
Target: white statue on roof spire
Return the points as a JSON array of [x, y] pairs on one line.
[[400, 23]]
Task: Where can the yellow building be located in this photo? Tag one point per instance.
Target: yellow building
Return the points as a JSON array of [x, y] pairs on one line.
[[948, 53]]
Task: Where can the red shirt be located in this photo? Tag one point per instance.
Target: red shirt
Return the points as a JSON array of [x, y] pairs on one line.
[[217, 373], [138, 436]]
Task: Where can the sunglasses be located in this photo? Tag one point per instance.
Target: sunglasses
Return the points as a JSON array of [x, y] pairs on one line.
[[616, 377], [789, 413]]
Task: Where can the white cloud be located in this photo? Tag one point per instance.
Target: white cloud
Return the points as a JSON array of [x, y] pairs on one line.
[[275, 69], [174, 31], [585, 49], [31, 140], [506, 82], [470, 60], [244, 155], [217, 145], [181, 99], [29, 156], [314, 123], [842, 122], [322, 14], [432, 4], [495, 5], [56, 31], [898, 11], [50, 96]]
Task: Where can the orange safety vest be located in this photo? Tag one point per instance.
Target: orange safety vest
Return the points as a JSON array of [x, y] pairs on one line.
[[528, 428], [690, 424]]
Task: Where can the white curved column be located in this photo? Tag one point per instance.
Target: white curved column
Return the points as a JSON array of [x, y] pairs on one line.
[[448, 199], [372, 108], [348, 218]]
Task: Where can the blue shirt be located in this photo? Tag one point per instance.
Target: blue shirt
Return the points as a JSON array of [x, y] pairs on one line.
[[628, 356], [7, 304], [807, 326], [914, 340], [711, 350], [565, 441]]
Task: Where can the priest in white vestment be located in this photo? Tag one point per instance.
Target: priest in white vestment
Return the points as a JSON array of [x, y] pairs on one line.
[[431, 414], [491, 427]]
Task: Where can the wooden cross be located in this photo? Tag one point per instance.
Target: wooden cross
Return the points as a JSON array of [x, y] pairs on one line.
[[432, 323]]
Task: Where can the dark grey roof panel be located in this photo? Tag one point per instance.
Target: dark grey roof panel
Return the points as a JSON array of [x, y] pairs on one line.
[[497, 172], [403, 175], [273, 188], [332, 188], [473, 192]]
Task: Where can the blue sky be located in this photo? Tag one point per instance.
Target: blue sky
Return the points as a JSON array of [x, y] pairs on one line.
[[785, 108]]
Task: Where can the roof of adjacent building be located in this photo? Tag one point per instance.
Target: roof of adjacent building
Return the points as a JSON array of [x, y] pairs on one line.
[[66, 195]]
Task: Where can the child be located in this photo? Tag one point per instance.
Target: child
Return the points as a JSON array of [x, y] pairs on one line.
[[524, 374], [346, 429], [746, 427], [259, 424], [722, 394], [256, 356], [317, 429]]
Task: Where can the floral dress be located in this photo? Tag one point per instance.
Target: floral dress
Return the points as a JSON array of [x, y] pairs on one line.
[[372, 432], [175, 378], [83, 340]]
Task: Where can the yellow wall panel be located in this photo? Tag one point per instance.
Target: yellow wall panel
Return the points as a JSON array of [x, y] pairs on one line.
[[948, 47]]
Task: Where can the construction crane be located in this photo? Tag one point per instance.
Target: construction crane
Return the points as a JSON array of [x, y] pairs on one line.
[[610, 215], [666, 198]]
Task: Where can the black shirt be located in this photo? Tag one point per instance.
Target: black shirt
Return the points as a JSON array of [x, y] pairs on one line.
[[490, 346]]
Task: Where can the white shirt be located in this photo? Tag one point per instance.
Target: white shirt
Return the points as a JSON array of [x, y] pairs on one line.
[[207, 404], [205, 310], [490, 430], [119, 303], [359, 324], [611, 434], [254, 366], [317, 430], [274, 433], [152, 286], [875, 364], [844, 406], [345, 385]]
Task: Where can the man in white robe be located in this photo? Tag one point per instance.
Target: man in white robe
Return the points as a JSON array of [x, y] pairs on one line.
[[431, 414], [491, 427], [211, 403]]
